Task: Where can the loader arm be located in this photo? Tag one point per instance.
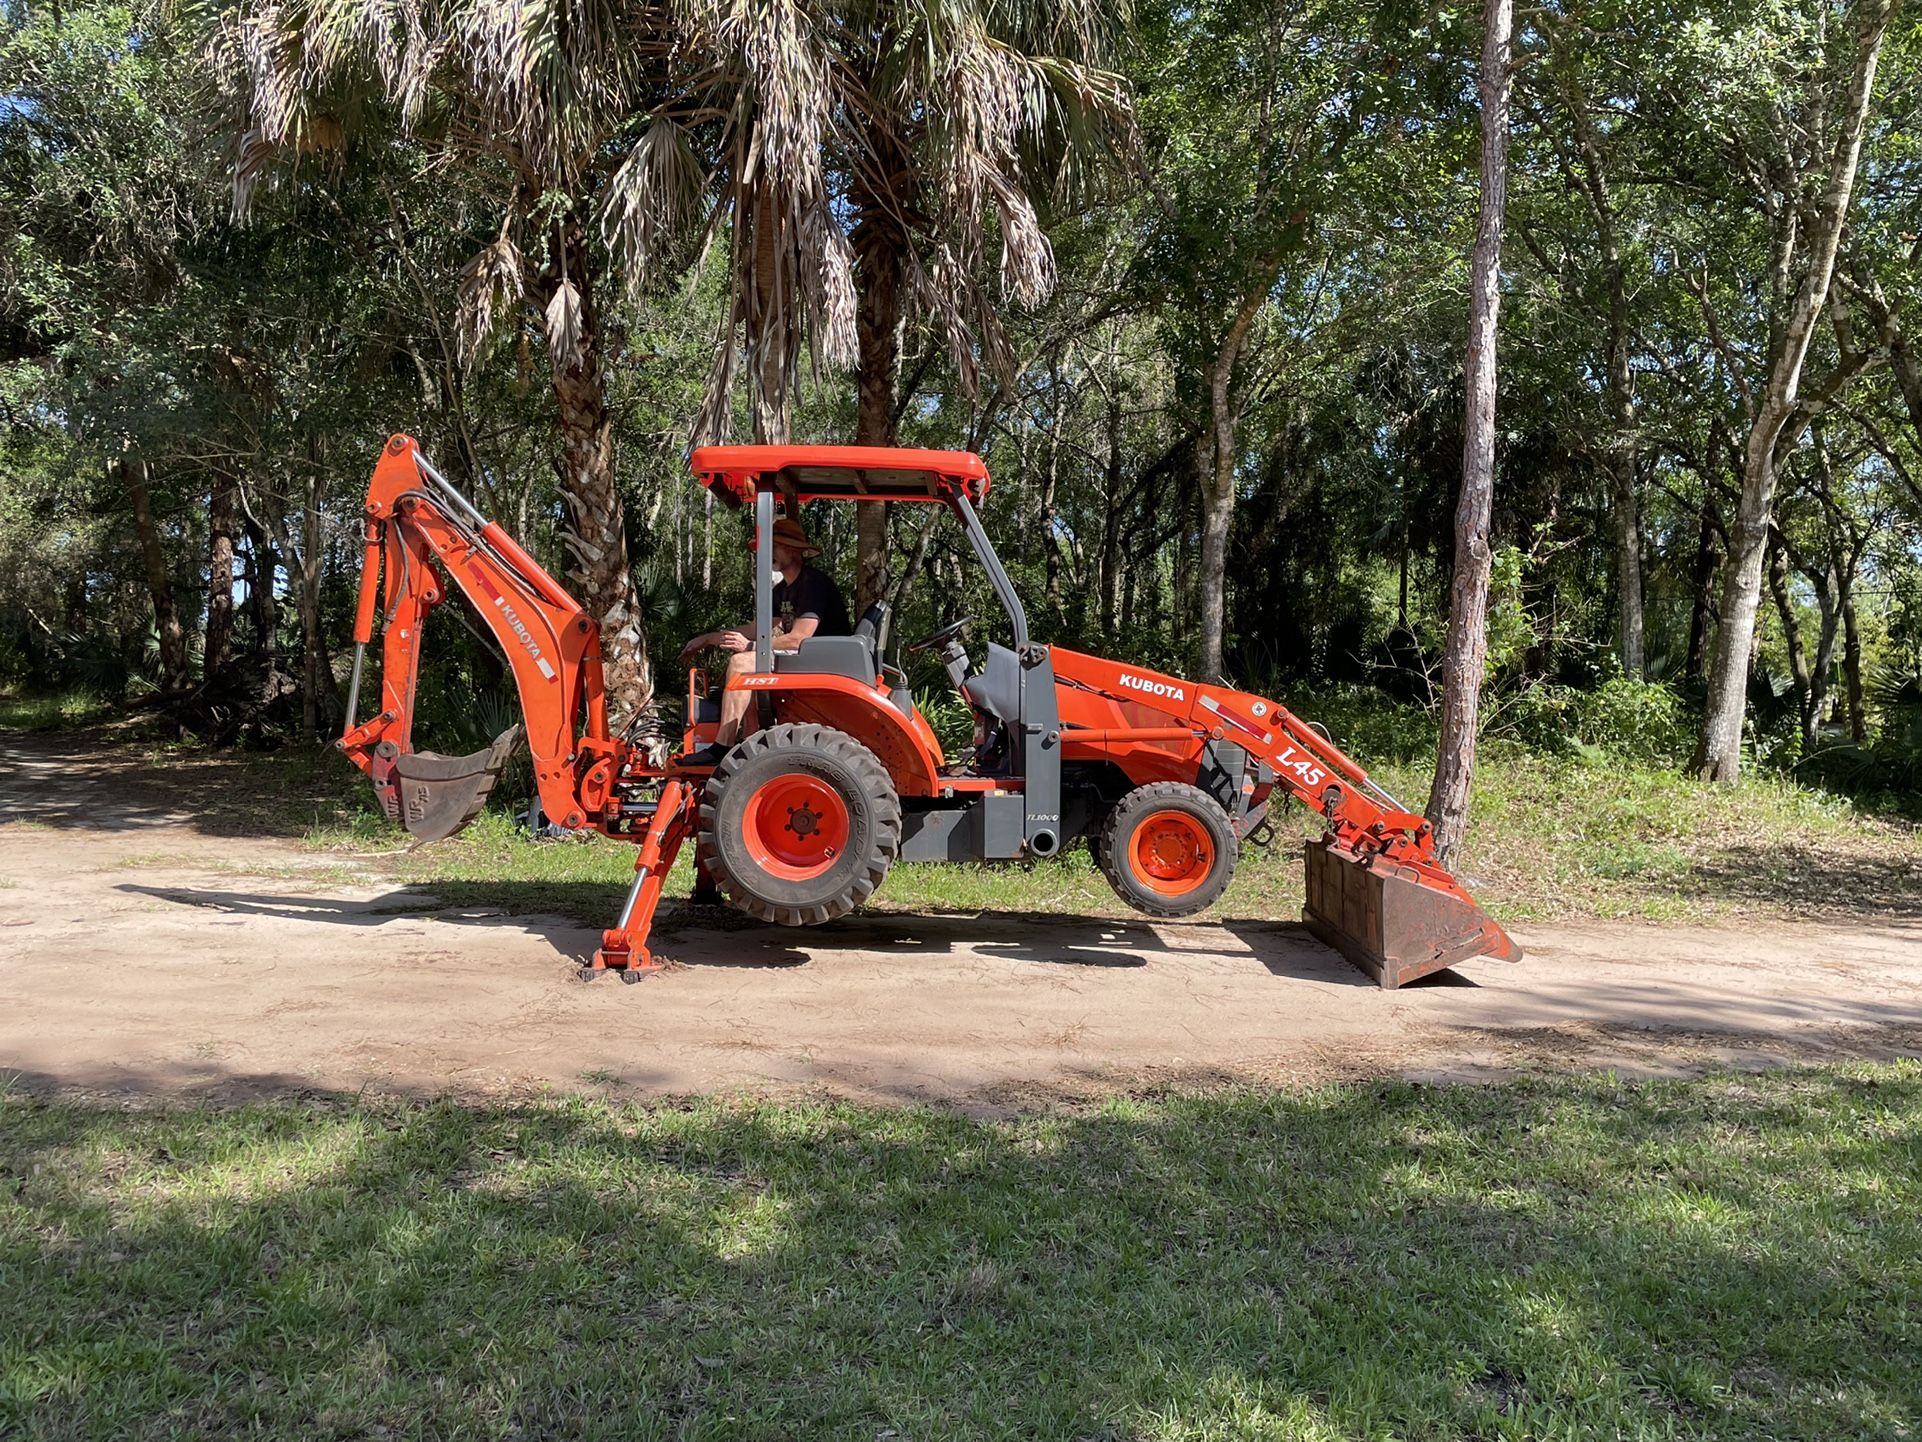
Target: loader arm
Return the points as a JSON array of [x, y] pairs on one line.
[[420, 534], [1375, 889], [1360, 812]]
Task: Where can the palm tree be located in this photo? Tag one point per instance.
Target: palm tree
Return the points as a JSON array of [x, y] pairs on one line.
[[554, 98], [963, 111], [649, 128], [930, 117], [765, 91]]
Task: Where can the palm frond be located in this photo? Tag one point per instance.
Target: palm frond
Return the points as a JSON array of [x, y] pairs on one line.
[[657, 196], [566, 327], [489, 283]]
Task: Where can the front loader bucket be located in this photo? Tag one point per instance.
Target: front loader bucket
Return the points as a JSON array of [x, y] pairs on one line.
[[435, 795], [1392, 921]]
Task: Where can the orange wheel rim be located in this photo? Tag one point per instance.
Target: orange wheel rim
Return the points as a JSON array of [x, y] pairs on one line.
[[796, 826], [1172, 852]]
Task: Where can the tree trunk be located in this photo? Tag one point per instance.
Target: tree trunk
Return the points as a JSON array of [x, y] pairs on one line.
[[312, 671], [1718, 756], [1621, 398], [1702, 608], [261, 604], [1051, 480], [217, 649], [1778, 578], [173, 638], [880, 243], [595, 536], [1628, 525], [1852, 665], [1111, 517], [1465, 654], [1217, 476], [771, 323]]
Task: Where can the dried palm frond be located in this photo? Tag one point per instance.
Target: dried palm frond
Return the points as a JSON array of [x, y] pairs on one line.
[[655, 198], [566, 327], [254, 157], [489, 282]]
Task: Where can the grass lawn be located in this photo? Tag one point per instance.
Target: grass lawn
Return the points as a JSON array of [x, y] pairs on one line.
[[1739, 1256]]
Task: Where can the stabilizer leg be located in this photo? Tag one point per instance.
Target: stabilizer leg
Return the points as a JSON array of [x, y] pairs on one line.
[[624, 944]]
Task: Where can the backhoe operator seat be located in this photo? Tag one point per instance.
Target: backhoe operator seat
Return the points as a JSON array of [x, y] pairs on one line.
[[858, 657]]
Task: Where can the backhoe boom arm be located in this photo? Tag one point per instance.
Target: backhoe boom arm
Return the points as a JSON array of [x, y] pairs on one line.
[[419, 529]]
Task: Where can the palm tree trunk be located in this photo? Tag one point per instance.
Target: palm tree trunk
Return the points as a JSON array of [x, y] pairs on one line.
[[771, 323], [880, 242], [596, 537], [173, 639], [1465, 655]]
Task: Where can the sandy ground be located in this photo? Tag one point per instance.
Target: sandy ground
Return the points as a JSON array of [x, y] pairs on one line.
[[144, 953]]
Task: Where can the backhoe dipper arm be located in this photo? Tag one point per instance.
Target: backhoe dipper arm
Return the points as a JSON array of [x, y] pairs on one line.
[[419, 528]]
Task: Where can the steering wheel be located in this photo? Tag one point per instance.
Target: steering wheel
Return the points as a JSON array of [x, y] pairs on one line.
[[946, 634]]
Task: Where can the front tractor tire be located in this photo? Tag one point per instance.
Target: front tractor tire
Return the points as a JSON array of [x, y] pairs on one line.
[[1168, 849], [800, 823]]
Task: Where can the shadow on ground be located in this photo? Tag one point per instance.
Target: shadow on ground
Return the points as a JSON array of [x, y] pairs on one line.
[[569, 914], [1560, 1258], [1789, 874], [104, 783]]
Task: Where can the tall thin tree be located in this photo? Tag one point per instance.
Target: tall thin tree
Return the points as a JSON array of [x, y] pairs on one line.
[[1808, 233], [1464, 660]]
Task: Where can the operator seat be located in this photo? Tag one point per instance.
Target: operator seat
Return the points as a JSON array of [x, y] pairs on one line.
[[873, 626], [995, 690], [858, 657]]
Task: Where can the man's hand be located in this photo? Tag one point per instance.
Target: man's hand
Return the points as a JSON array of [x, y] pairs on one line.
[[732, 641], [699, 644]]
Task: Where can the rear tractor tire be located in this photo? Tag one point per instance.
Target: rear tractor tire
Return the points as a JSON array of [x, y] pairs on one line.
[[799, 824], [1167, 849]]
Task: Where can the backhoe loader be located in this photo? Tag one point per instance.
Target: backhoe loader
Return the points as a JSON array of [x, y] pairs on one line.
[[842, 776]]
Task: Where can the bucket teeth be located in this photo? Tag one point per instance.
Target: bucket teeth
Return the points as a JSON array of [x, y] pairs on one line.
[[1392, 921], [438, 795]]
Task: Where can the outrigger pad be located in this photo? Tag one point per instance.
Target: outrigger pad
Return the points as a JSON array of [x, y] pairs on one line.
[[440, 794], [1392, 922]]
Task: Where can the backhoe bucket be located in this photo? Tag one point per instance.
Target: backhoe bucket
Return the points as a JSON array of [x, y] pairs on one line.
[[1393, 921], [438, 795]]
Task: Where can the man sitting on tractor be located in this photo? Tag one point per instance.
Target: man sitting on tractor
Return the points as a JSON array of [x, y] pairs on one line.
[[806, 603]]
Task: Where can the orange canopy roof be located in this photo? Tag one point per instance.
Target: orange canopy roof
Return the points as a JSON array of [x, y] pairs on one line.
[[842, 473]]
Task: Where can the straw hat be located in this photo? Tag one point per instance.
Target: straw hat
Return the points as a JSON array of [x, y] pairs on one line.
[[788, 531]]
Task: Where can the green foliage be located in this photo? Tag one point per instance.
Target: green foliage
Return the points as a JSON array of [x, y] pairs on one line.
[[1889, 768], [1620, 719], [1319, 160]]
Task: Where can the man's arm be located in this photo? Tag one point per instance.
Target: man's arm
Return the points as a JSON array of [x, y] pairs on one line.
[[790, 637], [735, 638]]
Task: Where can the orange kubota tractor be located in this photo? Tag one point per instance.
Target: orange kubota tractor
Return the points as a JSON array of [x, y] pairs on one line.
[[799, 822]]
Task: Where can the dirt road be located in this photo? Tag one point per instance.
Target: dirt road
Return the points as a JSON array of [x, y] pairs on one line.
[[146, 949]]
